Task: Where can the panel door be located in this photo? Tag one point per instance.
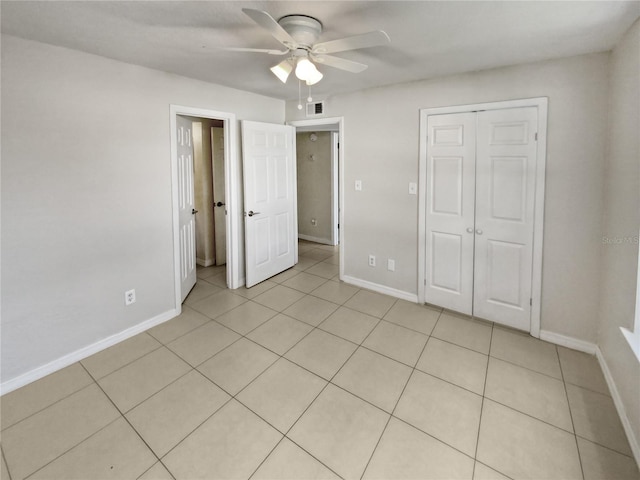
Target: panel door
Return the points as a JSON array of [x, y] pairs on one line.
[[450, 211], [219, 212], [505, 195], [186, 212], [270, 209]]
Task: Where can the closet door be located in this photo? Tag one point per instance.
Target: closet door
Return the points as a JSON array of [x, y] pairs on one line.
[[505, 194], [450, 211]]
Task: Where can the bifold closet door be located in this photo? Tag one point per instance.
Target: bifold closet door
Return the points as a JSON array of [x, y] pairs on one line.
[[504, 215], [450, 211]]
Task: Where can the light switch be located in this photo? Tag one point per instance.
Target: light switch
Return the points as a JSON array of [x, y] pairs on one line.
[[413, 188], [358, 185]]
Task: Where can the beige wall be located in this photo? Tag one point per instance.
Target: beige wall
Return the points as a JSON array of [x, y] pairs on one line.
[[203, 192], [381, 149], [621, 220], [87, 203], [314, 185]]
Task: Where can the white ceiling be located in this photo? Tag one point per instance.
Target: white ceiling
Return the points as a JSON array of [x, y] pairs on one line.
[[428, 38]]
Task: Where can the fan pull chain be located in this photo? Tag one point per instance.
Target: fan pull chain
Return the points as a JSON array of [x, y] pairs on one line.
[[299, 95], [309, 98]]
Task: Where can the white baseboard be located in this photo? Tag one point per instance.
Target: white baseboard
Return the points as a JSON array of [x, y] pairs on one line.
[[617, 400], [204, 263], [568, 342], [309, 238], [392, 292], [73, 357]]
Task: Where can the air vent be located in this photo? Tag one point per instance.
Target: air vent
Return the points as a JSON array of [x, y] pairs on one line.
[[315, 108]]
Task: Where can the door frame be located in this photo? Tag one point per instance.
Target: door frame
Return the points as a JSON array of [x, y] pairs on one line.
[[326, 121], [541, 103], [231, 175]]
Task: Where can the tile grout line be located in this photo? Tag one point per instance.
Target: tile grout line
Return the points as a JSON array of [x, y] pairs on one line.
[[6, 464]]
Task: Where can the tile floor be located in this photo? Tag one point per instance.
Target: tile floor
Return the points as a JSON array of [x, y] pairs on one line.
[[305, 377]]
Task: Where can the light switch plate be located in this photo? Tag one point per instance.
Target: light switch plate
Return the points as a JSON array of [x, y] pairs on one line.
[[358, 185], [413, 188]]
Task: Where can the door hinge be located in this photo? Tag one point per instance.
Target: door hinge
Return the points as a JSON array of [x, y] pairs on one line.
[[531, 302], [536, 137]]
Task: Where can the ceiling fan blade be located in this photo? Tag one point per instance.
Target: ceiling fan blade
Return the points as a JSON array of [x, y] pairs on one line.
[[267, 22], [366, 40], [255, 50], [341, 63]]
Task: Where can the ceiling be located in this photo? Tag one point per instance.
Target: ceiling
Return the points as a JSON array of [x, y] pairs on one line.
[[428, 38]]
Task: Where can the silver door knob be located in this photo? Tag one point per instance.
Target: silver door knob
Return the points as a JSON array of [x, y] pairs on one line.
[[469, 230], [252, 213], [478, 231]]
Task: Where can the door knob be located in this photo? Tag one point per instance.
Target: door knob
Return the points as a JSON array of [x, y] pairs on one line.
[[219, 204], [193, 211], [469, 230], [478, 231], [252, 213]]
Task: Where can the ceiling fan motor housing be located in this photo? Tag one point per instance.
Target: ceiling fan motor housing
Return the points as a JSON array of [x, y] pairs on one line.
[[303, 29]]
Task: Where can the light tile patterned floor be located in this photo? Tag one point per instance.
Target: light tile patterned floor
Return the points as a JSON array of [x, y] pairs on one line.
[[304, 377]]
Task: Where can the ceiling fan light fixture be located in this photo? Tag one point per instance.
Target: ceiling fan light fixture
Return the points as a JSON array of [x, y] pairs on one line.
[[306, 70], [282, 70], [315, 77]]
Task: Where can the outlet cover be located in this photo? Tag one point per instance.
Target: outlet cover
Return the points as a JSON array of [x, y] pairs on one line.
[[372, 260], [129, 297], [358, 185], [391, 265]]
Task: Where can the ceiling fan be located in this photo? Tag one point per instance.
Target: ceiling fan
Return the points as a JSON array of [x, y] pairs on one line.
[[300, 34]]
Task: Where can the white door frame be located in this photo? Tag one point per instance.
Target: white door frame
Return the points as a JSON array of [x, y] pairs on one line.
[[332, 121], [536, 280], [335, 188], [231, 177]]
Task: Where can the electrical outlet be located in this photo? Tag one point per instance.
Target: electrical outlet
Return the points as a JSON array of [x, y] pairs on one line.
[[314, 222], [391, 265], [413, 188], [372, 260], [129, 297], [358, 185]]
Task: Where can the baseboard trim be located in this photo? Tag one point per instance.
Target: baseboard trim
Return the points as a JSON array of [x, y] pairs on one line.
[[204, 262], [73, 357], [617, 401], [568, 342], [309, 238], [392, 292]]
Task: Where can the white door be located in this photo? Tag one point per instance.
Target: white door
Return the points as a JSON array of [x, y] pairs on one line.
[[450, 211], [186, 214], [270, 210], [219, 207], [505, 196]]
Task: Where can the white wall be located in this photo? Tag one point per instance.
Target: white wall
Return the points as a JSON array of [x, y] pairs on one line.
[[621, 221], [86, 202], [381, 149]]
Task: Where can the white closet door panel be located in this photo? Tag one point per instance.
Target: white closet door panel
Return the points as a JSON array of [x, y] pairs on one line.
[[450, 211], [505, 197]]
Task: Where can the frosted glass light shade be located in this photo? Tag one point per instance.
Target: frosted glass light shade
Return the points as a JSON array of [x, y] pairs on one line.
[[305, 69], [282, 70]]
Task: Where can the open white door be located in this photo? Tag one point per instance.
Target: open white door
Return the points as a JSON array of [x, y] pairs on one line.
[[186, 206], [270, 207], [219, 207]]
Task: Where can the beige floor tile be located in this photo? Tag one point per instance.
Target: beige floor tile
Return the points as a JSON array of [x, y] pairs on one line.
[[396, 342], [119, 355], [321, 353], [205, 272], [449, 413], [350, 324], [529, 392], [407, 453], [304, 262], [341, 431], [304, 282], [279, 298], [203, 343], [466, 368], [39, 439], [525, 351], [200, 291], [282, 393], [336, 292], [374, 378], [246, 317], [188, 320], [237, 365], [219, 280], [290, 462], [311, 310], [520, 446], [595, 418], [286, 275], [280, 333], [139, 380], [601, 463], [411, 315], [4, 472], [175, 411], [463, 331], [255, 290], [318, 254], [114, 452], [157, 472], [371, 303], [583, 370], [215, 305], [324, 270], [333, 259], [32, 398], [231, 444], [482, 472]]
